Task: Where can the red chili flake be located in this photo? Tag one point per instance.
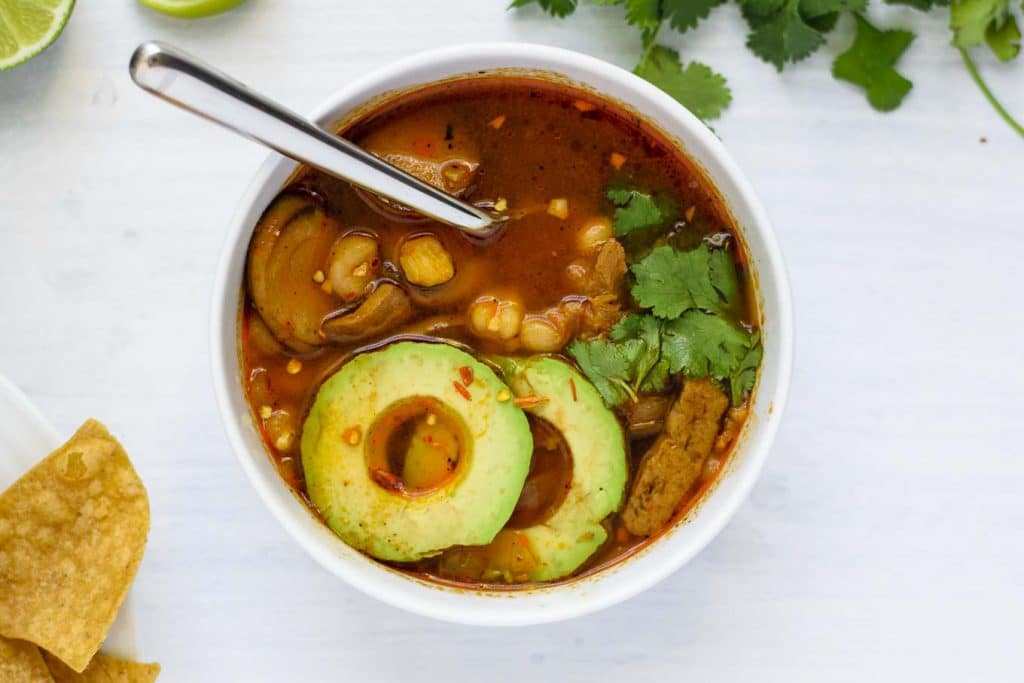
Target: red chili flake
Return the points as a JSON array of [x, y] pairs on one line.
[[572, 385], [386, 479], [463, 392], [466, 374], [529, 401]]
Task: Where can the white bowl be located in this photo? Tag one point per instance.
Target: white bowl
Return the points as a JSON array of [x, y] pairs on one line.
[[658, 559]]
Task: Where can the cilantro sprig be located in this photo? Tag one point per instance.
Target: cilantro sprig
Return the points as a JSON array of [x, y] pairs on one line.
[[638, 210], [691, 299], [670, 282], [785, 32]]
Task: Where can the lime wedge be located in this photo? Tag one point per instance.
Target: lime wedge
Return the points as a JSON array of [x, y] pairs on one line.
[[190, 9], [27, 27]]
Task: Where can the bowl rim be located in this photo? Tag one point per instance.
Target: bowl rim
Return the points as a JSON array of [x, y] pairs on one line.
[[560, 601]]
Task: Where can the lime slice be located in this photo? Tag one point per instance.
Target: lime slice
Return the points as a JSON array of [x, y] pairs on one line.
[[190, 9], [27, 27]]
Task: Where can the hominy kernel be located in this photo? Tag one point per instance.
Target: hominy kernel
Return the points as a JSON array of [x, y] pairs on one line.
[[294, 366], [266, 412], [559, 208], [319, 277], [283, 442], [431, 419], [455, 173], [501, 204]]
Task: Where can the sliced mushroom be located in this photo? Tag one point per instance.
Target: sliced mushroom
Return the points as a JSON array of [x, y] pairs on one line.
[[290, 244], [387, 307], [352, 265], [262, 339], [444, 325]]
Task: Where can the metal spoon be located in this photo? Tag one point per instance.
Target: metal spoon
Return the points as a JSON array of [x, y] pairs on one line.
[[187, 82]]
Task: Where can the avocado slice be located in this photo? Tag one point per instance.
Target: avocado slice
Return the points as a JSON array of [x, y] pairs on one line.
[[572, 405], [370, 510]]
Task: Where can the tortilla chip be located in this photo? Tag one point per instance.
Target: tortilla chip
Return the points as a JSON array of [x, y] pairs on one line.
[[103, 669], [20, 662], [72, 532]]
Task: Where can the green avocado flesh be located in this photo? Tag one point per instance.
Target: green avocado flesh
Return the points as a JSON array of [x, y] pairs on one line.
[[469, 507], [594, 436]]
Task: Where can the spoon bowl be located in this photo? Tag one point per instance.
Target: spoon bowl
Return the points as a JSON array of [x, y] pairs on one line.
[[183, 80]]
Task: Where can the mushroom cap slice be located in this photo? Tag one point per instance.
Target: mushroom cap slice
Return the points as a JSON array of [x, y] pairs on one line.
[[290, 244], [387, 307]]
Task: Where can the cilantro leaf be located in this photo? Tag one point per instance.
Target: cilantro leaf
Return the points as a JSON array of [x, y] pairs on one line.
[[681, 14], [741, 382], [608, 366], [637, 326], [704, 345], [789, 30], [785, 37], [637, 210], [556, 8], [695, 86], [644, 14], [989, 21], [972, 19], [724, 278], [670, 282], [1004, 41], [684, 14], [647, 330], [657, 379], [869, 64]]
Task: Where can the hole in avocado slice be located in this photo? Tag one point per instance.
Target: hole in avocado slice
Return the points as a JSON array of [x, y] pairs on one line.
[[417, 445], [549, 479]]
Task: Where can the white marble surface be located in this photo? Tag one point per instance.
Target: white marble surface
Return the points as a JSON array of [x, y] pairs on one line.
[[885, 540]]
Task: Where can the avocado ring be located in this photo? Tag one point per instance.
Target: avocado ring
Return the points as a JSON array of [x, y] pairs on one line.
[[573, 531], [344, 430]]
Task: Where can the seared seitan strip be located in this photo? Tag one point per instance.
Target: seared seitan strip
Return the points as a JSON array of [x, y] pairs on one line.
[[674, 463], [731, 429]]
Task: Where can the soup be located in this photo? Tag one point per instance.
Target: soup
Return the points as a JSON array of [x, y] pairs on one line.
[[514, 411]]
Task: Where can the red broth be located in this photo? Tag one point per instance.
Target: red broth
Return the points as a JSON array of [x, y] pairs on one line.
[[526, 142]]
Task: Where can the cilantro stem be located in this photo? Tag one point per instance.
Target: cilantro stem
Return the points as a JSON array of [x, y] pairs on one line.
[[628, 389], [650, 40], [973, 70]]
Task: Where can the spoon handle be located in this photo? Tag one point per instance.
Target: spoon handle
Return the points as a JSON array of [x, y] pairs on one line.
[[187, 82]]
